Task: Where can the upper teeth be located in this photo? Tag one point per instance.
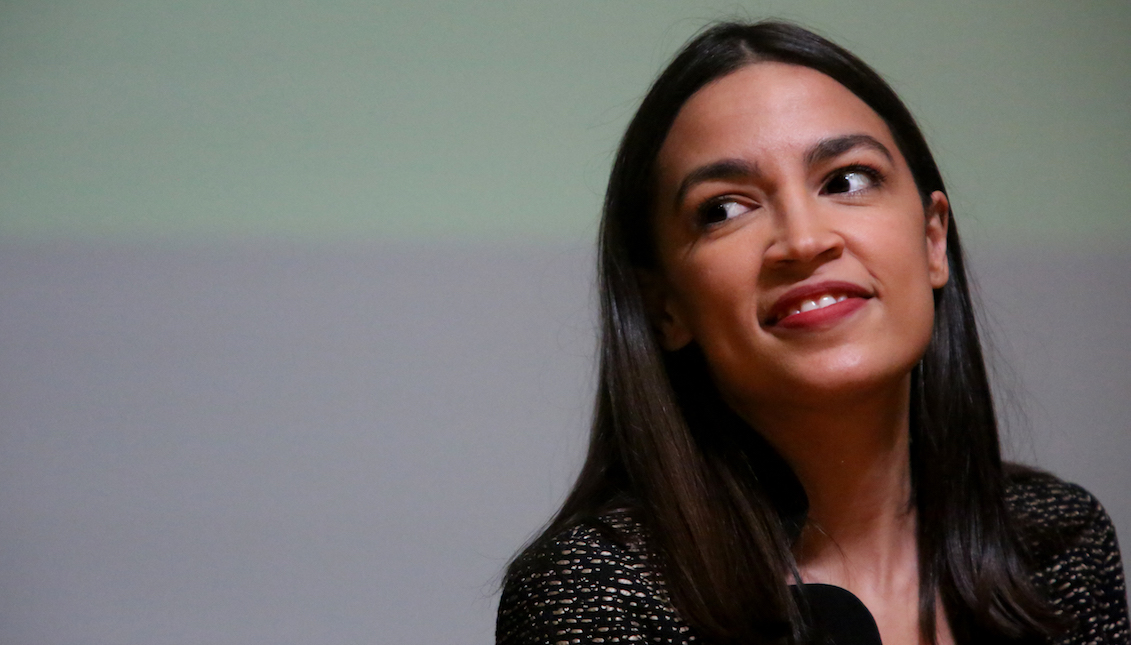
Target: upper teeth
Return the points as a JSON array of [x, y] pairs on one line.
[[819, 303]]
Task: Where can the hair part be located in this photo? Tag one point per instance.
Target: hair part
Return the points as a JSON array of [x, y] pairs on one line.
[[704, 485]]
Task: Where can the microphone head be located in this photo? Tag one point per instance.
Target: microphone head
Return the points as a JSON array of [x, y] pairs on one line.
[[835, 616]]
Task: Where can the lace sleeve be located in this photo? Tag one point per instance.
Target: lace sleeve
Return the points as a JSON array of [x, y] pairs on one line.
[[1078, 564], [584, 588]]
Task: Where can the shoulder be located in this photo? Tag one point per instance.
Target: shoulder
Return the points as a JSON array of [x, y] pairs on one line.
[[1074, 553], [1055, 515], [594, 582]]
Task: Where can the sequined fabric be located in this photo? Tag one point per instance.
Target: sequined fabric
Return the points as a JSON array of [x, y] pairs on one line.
[[585, 586]]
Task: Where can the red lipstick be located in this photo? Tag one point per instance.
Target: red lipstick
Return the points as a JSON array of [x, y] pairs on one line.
[[816, 304]]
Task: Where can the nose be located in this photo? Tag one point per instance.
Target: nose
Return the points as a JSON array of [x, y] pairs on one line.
[[803, 233]]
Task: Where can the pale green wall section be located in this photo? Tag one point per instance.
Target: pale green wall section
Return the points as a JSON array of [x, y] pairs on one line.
[[414, 121]]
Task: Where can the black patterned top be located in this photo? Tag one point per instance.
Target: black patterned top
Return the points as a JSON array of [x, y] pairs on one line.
[[585, 586]]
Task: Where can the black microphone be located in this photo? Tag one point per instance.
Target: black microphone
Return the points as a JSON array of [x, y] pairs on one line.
[[835, 616]]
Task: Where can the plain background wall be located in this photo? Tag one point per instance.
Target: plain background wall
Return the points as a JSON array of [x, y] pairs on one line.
[[296, 327]]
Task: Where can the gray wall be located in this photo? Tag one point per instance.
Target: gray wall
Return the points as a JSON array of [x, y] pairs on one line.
[[296, 331]]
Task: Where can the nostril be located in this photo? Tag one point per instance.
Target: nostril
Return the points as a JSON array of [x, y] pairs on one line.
[[806, 248]]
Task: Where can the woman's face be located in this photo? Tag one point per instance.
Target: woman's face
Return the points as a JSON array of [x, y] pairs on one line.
[[793, 244]]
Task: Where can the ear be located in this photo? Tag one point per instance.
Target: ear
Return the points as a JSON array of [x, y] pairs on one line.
[[668, 325], [938, 220]]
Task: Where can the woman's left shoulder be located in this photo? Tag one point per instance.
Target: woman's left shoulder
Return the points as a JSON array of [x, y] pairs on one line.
[[1046, 506], [1054, 514], [1073, 548]]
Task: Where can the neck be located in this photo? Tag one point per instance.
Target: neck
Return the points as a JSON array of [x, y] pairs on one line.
[[852, 458]]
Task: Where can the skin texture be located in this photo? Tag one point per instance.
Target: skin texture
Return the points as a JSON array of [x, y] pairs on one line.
[[776, 185]]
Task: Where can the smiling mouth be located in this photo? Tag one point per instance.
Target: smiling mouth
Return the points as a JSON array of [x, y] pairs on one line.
[[814, 298], [812, 304]]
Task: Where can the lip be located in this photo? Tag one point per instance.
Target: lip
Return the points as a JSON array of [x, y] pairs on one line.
[[778, 315]]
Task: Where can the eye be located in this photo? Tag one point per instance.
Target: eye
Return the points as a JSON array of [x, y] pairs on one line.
[[722, 209], [851, 181]]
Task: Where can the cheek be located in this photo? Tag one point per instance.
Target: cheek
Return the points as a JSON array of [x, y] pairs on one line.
[[896, 257], [898, 248], [715, 308], [923, 319], [912, 297], [717, 296]]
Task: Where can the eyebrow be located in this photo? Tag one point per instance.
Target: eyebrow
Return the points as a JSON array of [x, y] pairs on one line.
[[722, 169], [737, 168], [834, 147]]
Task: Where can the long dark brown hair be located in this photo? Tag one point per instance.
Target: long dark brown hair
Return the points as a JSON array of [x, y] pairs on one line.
[[712, 496]]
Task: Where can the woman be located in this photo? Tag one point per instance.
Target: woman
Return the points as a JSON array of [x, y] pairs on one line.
[[794, 439]]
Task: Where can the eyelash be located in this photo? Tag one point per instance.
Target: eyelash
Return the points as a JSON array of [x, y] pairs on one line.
[[704, 215], [874, 175]]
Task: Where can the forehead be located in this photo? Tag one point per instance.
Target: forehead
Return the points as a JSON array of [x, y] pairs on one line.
[[762, 109]]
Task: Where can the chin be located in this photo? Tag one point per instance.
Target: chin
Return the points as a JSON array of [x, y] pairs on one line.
[[842, 384]]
